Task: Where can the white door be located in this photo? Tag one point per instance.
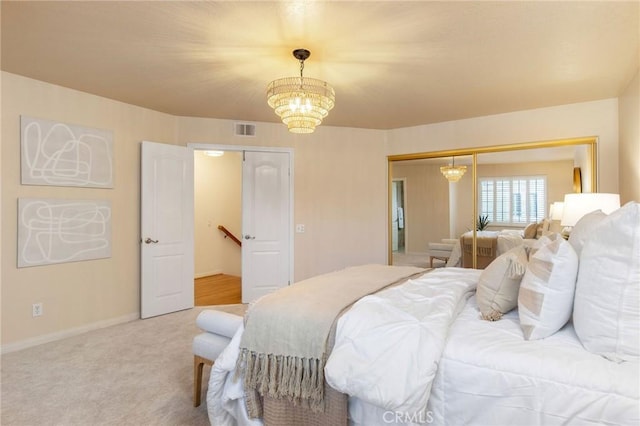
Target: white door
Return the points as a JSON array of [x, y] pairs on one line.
[[265, 223], [166, 252]]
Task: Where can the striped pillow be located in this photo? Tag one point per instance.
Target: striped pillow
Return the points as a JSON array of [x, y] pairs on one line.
[[497, 291], [545, 299]]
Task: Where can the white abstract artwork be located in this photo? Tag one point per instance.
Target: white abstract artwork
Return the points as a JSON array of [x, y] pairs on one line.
[[58, 231], [65, 155]]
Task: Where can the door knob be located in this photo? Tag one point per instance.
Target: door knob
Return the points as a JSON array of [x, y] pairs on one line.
[[149, 241], [249, 237]]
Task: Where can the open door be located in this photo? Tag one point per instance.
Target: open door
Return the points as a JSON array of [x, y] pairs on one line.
[[266, 223], [166, 226]]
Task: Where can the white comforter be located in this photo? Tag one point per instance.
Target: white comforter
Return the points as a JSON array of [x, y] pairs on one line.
[[225, 395], [388, 345], [386, 352]]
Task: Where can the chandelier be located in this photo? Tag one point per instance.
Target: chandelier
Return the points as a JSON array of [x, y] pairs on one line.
[[453, 173], [301, 102]]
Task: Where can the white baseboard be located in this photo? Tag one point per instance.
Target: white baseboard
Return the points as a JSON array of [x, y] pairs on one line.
[[59, 335]]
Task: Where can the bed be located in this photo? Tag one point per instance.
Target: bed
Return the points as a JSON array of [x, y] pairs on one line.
[[490, 244], [417, 351], [515, 382]]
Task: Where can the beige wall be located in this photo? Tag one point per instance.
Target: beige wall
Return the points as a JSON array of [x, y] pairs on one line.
[[629, 171], [217, 201], [598, 118], [427, 209], [340, 193], [79, 294], [340, 189]]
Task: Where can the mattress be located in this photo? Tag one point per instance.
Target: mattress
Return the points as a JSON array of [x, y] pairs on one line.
[[490, 375]]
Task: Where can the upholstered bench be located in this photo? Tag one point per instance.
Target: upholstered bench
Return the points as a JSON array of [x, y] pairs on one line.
[[219, 327], [441, 251]]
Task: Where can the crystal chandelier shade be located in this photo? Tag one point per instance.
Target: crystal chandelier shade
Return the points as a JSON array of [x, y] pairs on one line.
[[301, 102], [452, 172]]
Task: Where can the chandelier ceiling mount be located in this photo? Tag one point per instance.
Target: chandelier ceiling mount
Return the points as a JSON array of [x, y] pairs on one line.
[[301, 55]]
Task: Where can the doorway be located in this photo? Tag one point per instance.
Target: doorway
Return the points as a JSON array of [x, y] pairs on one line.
[[248, 191], [398, 218], [217, 211]]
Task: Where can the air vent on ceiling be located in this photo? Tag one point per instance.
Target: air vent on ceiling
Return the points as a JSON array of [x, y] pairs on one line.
[[245, 129]]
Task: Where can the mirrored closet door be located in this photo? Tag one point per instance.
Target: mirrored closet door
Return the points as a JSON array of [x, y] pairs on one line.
[[447, 208]]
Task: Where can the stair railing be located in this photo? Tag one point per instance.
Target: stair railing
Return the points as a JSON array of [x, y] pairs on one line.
[[228, 233]]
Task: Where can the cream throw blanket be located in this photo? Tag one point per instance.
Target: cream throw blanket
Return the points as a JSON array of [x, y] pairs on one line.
[[284, 346]]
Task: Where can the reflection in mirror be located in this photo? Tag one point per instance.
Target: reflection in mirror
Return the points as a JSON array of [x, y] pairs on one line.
[[517, 188], [429, 210], [433, 219]]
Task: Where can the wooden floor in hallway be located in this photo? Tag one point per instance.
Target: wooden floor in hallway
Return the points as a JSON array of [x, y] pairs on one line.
[[220, 289]]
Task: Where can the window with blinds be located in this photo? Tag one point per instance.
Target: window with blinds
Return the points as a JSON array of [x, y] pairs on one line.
[[513, 201]]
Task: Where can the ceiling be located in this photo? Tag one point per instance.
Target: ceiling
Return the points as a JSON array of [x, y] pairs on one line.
[[393, 64]]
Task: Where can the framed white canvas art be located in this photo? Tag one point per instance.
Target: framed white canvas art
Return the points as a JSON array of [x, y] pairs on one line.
[[58, 231], [62, 154]]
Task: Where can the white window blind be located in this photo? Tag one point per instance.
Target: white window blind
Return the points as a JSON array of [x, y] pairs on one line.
[[515, 200]]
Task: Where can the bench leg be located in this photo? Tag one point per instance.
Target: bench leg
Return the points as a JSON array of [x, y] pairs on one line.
[[198, 365]]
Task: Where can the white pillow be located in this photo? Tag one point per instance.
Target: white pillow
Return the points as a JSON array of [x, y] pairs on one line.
[[583, 229], [606, 316], [497, 291], [546, 292]]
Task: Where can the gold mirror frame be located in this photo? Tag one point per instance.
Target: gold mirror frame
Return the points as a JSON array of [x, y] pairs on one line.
[[590, 141]]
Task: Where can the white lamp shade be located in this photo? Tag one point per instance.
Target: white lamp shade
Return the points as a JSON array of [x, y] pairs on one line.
[[557, 208], [580, 204]]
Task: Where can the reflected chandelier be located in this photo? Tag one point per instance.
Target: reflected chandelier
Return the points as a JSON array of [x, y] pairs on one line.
[[301, 102], [453, 173]]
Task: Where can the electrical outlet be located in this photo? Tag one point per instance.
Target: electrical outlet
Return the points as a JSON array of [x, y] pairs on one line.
[[300, 228], [36, 309]]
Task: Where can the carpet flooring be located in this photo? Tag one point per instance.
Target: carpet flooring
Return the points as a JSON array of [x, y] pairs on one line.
[[420, 260], [137, 373]]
